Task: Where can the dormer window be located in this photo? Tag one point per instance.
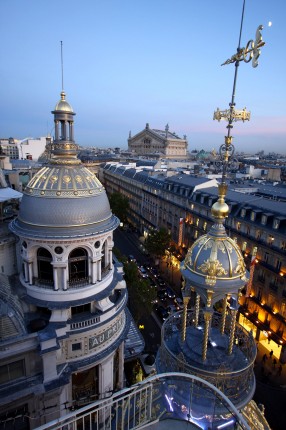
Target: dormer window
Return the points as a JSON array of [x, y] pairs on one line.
[[263, 219], [276, 223], [202, 199], [210, 201], [242, 213], [253, 216]]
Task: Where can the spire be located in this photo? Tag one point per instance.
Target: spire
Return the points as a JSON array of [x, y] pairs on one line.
[[64, 149], [220, 209]]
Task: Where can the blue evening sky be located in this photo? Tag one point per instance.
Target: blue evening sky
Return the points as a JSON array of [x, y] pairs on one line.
[[128, 62]]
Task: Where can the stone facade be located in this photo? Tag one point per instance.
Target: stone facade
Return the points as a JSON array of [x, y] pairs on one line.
[[158, 144]]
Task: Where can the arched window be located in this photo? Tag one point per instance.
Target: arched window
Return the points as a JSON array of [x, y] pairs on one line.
[[78, 264], [45, 269]]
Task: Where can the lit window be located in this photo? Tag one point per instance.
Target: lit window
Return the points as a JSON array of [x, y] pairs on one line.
[[263, 219], [242, 213], [252, 216], [276, 223]]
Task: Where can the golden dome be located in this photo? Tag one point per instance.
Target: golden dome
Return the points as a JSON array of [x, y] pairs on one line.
[[63, 105]]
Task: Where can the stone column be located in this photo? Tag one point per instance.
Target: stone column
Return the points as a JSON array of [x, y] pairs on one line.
[[26, 271], [185, 313], [30, 271], [56, 280], [110, 258], [222, 326], [99, 270], [56, 130], [93, 272], [197, 309], [105, 376], [121, 366], [232, 329], [65, 278]]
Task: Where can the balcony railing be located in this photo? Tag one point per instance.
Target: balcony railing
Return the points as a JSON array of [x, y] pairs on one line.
[[172, 397]]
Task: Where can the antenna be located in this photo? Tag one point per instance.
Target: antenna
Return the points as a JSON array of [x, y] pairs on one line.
[[250, 52], [62, 65]]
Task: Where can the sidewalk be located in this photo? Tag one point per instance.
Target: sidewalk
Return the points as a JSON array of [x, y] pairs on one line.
[[267, 372]]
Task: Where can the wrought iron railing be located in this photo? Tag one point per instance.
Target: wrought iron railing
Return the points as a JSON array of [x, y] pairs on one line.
[[168, 396]]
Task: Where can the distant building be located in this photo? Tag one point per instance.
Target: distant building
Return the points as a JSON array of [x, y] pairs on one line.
[[27, 148], [158, 143]]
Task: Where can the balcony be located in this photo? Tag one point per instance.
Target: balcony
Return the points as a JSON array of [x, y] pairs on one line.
[[87, 319], [171, 400], [236, 381]]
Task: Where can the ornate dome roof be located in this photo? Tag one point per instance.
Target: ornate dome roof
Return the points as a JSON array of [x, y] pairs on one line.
[[215, 261], [63, 105], [64, 198]]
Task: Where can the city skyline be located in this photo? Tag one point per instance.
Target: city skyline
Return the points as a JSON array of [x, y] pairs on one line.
[[128, 63]]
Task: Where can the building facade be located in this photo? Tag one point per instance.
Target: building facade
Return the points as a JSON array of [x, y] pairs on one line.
[[182, 204], [155, 143], [63, 317]]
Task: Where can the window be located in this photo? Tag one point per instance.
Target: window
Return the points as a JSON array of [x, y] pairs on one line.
[[45, 269], [253, 216], [12, 371], [238, 225], [278, 264], [263, 219], [276, 223], [270, 239], [283, 246], [205, 226], [76, 346], [258, 234], [242, 213], [78, 264]]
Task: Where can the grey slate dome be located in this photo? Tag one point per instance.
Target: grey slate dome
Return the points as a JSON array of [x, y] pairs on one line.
[[64, 199]]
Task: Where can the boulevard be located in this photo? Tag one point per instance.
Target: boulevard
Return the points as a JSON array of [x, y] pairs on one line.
[[271, 394]]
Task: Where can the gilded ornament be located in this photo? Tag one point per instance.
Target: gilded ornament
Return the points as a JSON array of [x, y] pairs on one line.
[[78, 179], [53, 178], [66, 179], [212, 268], [240, 268]]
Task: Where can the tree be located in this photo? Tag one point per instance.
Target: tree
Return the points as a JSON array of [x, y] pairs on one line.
[[119, 205], [157, 242], [141, 294]]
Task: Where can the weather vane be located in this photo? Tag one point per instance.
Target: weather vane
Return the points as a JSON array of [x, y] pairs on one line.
[[250, 52]]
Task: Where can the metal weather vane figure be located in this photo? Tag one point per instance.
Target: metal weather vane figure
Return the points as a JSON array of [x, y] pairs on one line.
[[250, 52]]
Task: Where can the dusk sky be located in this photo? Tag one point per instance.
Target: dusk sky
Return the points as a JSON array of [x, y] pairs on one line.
[[129, 62]]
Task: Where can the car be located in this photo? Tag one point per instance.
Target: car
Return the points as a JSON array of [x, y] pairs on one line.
[[170, 293], [172, 309], [154, 271], [161, 281], [162, 312], [143, 272], [162, 295], [179, 303]]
